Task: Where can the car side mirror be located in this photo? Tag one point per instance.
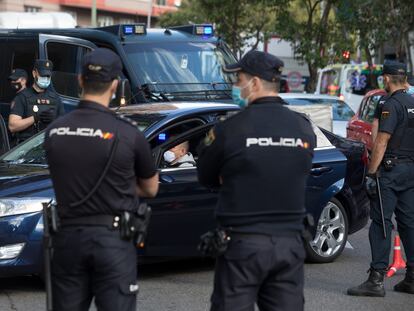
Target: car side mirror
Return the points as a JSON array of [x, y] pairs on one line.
[[122, 95]]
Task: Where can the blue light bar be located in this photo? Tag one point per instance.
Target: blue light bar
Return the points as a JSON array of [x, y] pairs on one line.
[[162, 137], [128, 30], [208, 30]]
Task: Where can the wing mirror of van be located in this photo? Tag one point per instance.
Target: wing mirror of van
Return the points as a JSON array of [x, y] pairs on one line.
[[123, 94]]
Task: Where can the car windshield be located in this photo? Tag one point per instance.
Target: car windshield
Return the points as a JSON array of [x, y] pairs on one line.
[[32, 152], [178, 70], [29, 152], [340, 110]]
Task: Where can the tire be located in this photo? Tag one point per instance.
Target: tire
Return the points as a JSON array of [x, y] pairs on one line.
[[331, 234]]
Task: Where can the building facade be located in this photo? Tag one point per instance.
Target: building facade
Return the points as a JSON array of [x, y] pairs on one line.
[[109, 12]]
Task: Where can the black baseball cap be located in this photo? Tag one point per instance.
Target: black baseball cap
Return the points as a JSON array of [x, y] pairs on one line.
[[17, 74], [259, 64], [394, 68], [101, 65], [44, 67]]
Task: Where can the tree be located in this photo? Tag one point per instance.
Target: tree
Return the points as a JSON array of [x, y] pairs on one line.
[[241, 23], [312, 29]]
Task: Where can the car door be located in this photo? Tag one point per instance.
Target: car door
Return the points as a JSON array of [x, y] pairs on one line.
[[4, 137], [356, 124], [183, 209], [66, 53], [327, 175]]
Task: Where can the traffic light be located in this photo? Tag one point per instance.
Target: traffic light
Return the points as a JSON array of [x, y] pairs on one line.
[[346, 54]]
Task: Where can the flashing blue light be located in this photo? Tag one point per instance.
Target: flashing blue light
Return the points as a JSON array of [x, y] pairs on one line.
[[208, 30], [162, 137], [128, 30]]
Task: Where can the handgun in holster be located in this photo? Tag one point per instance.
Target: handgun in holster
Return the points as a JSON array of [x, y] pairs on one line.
[[134, 226]]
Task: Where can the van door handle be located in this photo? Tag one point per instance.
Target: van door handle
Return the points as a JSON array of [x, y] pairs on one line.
[[318, 171]]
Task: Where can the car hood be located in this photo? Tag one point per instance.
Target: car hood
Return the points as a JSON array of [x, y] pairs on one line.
[[17, 180]]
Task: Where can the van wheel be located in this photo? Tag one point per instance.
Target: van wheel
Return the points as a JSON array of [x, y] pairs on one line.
[[331, 234]]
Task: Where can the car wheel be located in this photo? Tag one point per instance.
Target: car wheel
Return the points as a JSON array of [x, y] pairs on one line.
[[331, 234]]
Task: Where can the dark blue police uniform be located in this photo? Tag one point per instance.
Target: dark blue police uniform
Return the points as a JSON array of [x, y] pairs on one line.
[[90, 258], [44, 106], [397, 190], [260, 158]]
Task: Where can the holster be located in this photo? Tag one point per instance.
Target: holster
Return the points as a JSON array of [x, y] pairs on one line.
[[52, 217], [134, 226], [214, 243]]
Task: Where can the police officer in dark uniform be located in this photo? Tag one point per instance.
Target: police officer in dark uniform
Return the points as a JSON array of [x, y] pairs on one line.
[[393, 161], [99, 164], [18, 80], [260, 158], [36, 107]]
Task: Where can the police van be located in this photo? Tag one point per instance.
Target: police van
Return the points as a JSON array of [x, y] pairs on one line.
[[177, 64]]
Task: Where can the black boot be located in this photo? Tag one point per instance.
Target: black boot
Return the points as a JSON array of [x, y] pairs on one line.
[[406, 285], [373, 287]]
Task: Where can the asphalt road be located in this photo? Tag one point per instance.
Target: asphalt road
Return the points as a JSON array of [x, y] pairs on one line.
[[186, 286]]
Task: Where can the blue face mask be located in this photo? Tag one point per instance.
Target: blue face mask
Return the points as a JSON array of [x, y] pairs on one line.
[[43, 82], [236, 95], [237, 99], [410, 90]]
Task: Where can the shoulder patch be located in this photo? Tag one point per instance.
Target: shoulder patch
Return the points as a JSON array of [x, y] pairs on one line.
[[127, 120], [385, 115]]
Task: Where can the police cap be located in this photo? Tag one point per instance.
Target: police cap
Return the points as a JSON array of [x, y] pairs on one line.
[[17, 74], [102, 65], [394, 68], [260, 64], [44, 67]]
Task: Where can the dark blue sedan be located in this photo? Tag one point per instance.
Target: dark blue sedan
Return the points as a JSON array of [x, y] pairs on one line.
[[183, 209]]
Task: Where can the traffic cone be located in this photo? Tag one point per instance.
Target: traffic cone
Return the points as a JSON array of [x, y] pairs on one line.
[[398, 262]]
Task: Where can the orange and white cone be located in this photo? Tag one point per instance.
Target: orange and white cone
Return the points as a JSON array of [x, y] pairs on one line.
[[398, 262]]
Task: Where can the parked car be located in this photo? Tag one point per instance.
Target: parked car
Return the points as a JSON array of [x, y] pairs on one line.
[[341, 112], [183, 209], [359, 128]]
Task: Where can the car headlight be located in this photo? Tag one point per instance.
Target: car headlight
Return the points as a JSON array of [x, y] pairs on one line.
[[17, 206]]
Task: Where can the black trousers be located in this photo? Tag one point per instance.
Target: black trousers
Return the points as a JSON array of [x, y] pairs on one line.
[[93, 262], [266, 270], [397, 190]]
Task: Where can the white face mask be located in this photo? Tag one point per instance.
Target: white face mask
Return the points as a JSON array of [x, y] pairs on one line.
[[169, 156]]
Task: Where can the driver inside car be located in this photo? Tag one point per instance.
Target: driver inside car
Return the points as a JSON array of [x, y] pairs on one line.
[[179, 156]]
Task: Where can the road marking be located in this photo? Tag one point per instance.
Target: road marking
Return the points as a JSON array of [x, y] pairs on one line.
[[348, 245]]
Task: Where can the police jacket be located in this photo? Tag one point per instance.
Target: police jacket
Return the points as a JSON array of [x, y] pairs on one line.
[[397, 119], [260, 158], [27, 99], [78, 147]]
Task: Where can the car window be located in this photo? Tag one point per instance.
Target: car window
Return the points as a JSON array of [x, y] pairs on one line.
[[330, 80], [369, 109], [16, 54], [66, 60], [29, 152], [174, 130]]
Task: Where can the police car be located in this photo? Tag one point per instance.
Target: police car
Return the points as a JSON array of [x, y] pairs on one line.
[[183, 209], [180, 63]]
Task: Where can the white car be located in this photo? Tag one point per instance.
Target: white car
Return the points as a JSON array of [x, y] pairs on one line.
[[341, 112]]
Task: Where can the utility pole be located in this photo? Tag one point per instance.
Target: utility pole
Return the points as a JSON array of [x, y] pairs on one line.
[[149, 13], [93, 13]]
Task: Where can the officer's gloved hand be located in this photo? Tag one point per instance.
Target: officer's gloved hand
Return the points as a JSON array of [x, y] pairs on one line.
[[47, 116], [371, 185]]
